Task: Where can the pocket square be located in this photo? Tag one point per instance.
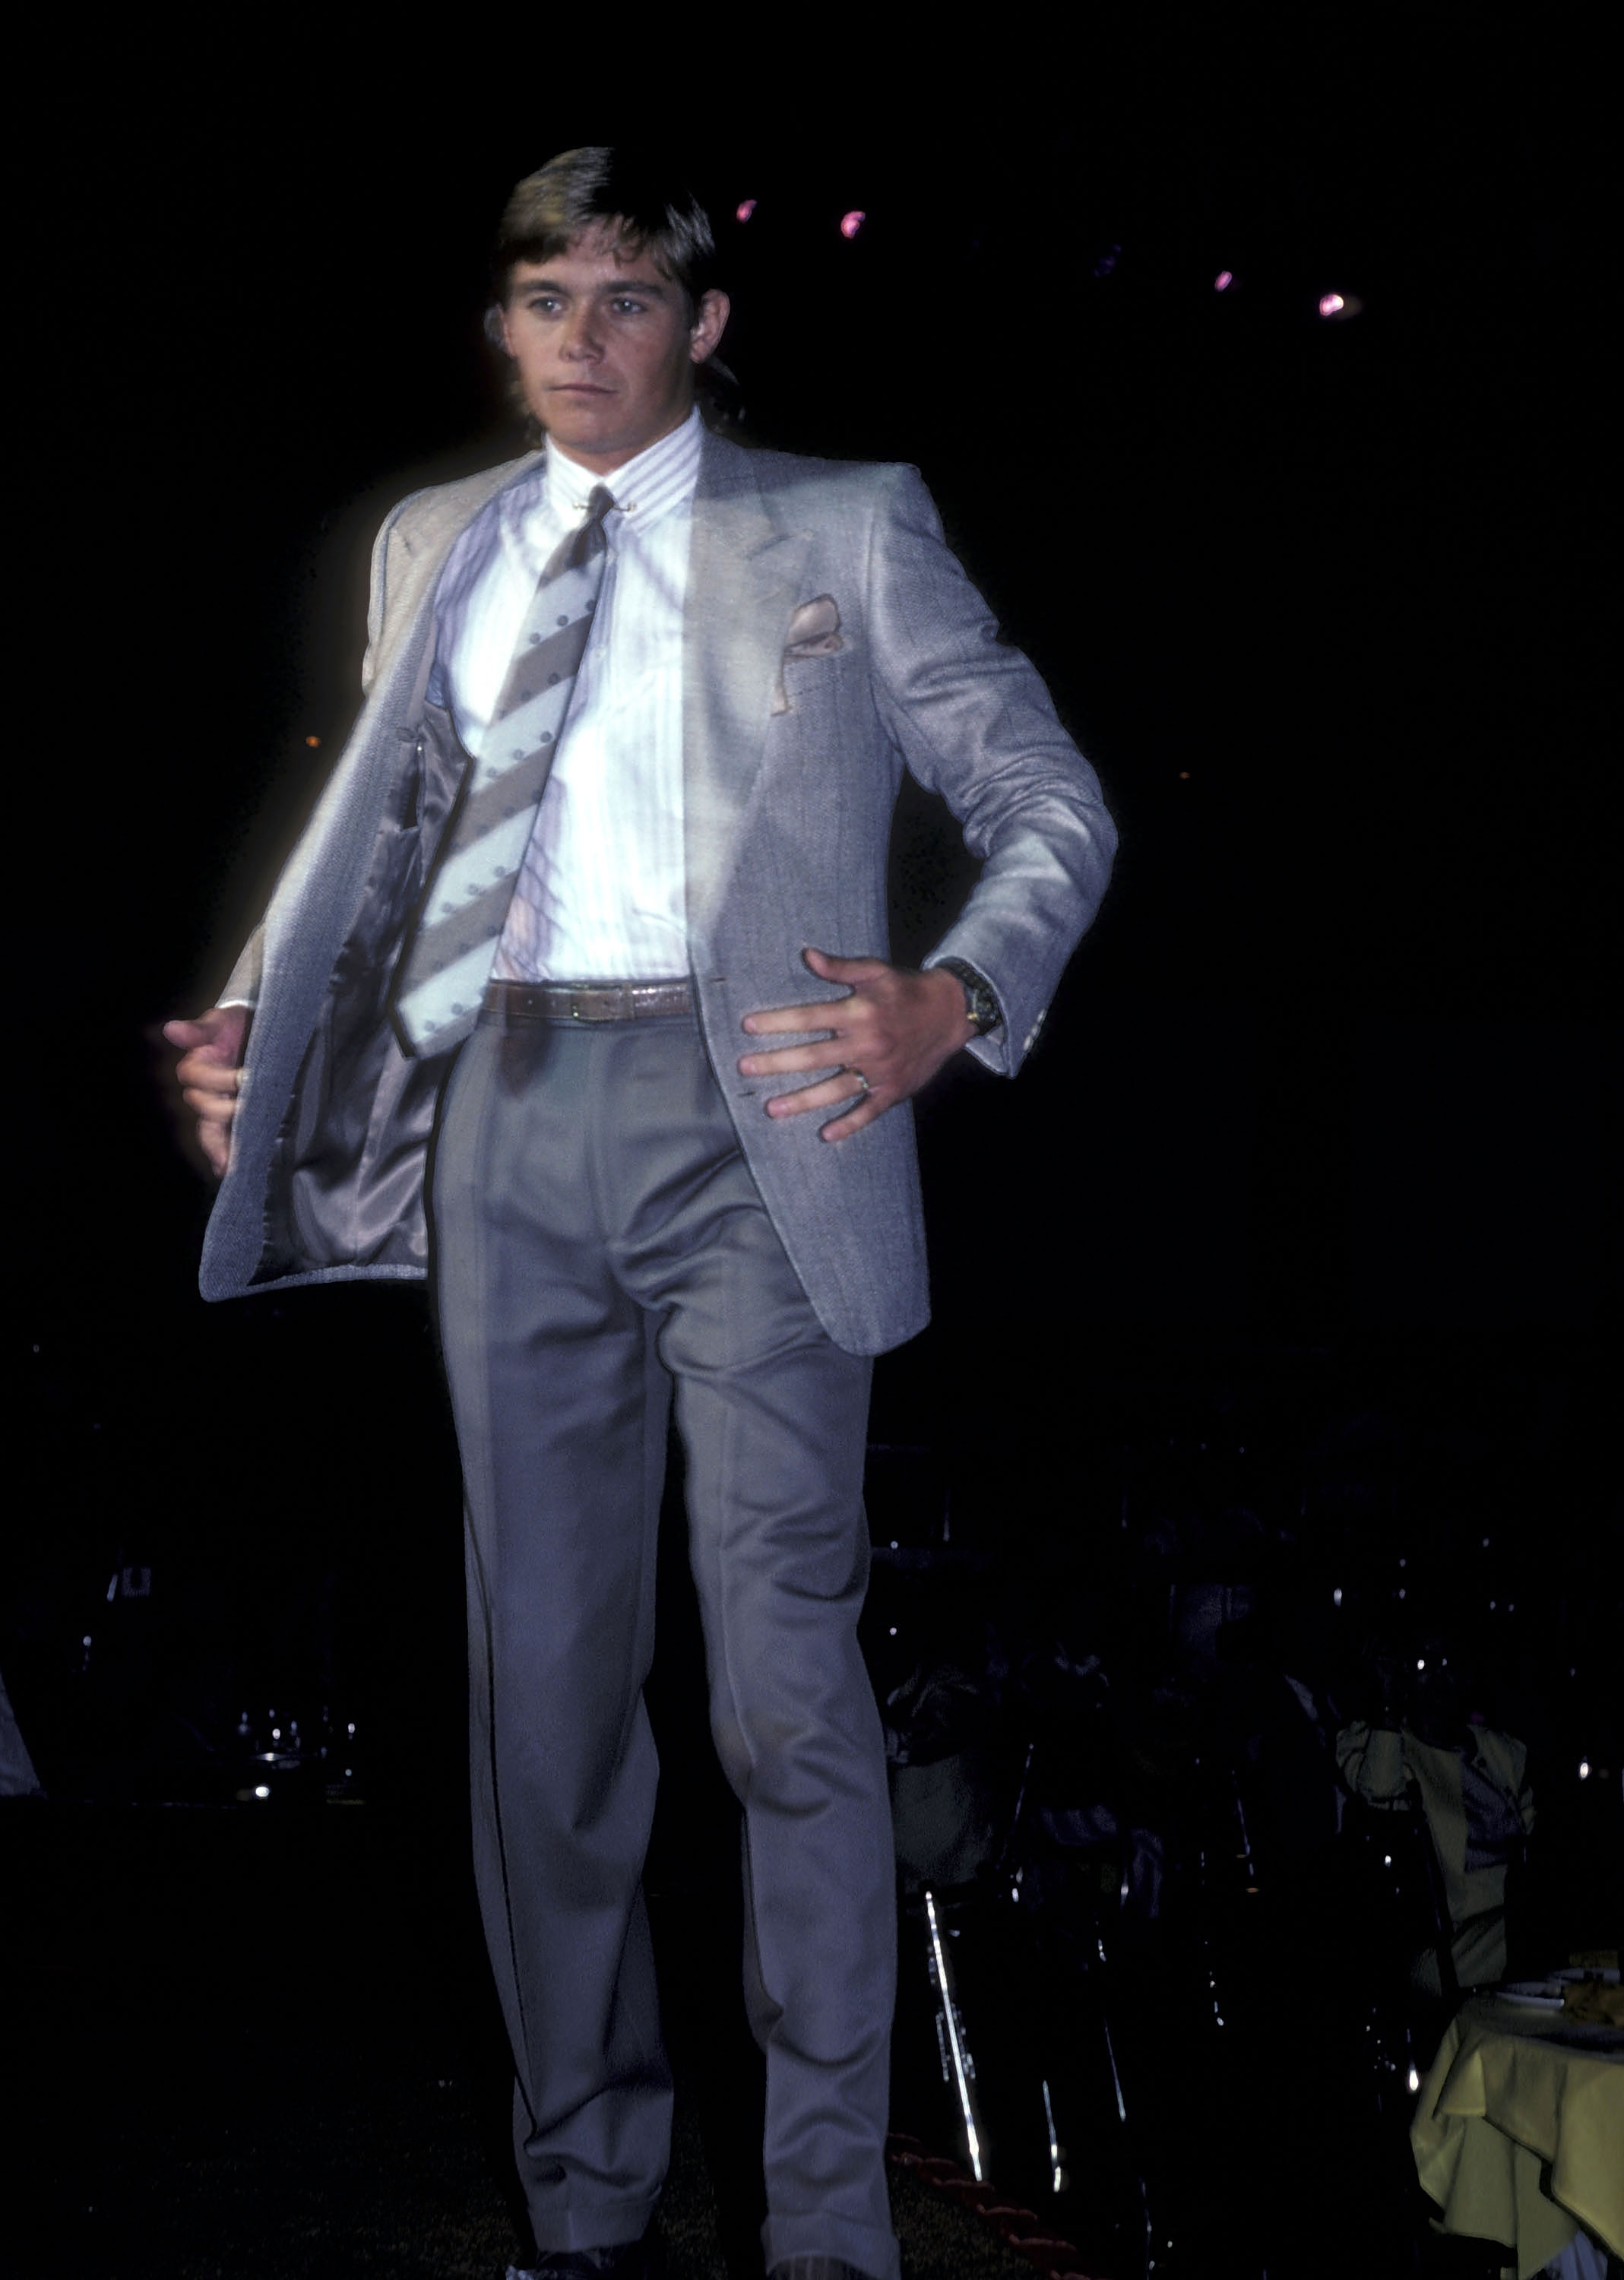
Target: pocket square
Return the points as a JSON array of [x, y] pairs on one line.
[[815, 631]]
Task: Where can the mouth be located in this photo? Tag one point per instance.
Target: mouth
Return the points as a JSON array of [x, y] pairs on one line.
[[579, 388]]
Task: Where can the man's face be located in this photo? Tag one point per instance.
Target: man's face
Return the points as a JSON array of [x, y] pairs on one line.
[[607, 348]]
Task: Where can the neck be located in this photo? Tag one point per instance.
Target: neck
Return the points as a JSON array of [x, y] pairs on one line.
[[605, 463]]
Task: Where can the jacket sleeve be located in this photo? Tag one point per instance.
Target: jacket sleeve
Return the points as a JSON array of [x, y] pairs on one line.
[[1371, 1760], [376, 591], [242, 984], [973, 722]]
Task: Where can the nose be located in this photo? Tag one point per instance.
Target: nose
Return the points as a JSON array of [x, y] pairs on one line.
[[580, 344]]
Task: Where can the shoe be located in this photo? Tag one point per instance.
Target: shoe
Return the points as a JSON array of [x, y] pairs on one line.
[[816, 2268], [628, 2260]]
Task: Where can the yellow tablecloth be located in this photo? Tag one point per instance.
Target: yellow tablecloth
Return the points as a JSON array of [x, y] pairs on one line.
[[1518, 2135]]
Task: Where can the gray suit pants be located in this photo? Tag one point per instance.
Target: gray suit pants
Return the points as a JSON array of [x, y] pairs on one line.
[[601, 1247]]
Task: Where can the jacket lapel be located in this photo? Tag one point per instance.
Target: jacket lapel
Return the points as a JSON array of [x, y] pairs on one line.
[[743, 577]]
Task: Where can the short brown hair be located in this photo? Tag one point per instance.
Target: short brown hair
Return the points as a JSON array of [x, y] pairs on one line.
[[657, 212]]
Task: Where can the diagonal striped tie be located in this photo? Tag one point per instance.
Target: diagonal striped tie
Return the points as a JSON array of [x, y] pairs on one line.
[[449, 962]]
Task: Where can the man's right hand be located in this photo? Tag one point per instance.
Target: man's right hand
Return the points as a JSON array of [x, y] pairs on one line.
[[209, 1074]]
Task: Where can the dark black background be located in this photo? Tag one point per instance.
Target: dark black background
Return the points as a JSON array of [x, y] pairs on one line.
[[1324, 1100]]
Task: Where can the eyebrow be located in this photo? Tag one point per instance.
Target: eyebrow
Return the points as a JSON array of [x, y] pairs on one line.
[[648, 290]]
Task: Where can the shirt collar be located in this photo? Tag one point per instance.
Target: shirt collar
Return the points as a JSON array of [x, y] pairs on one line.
[[644, 488]]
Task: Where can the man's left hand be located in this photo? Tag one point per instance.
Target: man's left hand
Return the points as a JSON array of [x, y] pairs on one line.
[[890, 1037]]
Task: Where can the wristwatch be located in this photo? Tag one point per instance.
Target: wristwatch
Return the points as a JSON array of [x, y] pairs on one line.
[[980, 1002]]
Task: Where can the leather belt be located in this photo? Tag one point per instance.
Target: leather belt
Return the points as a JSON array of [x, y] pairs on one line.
[[507, 1002]]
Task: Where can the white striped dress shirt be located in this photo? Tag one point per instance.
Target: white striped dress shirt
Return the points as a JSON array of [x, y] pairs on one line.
[[601, 889]]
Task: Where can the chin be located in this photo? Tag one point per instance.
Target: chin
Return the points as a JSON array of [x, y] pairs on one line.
[[573, 427]]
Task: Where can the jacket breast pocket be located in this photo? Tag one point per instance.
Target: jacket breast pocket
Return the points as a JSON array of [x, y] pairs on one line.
[[812, 685]]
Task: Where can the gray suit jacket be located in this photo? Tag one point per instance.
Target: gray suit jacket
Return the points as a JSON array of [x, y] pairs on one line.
[[791, 768]]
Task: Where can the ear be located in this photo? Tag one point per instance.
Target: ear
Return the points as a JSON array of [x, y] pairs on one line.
[[496, 328], [709, 325]]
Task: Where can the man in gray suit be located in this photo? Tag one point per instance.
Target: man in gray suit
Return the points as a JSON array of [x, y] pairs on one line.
[[593, 912]]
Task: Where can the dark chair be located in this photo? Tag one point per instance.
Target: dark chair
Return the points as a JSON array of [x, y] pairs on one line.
[[1396, 1888]]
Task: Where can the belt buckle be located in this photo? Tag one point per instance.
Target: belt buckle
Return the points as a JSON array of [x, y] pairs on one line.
[[575, 1012]]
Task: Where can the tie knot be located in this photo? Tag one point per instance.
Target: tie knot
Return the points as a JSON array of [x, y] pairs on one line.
[[591, 539]]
